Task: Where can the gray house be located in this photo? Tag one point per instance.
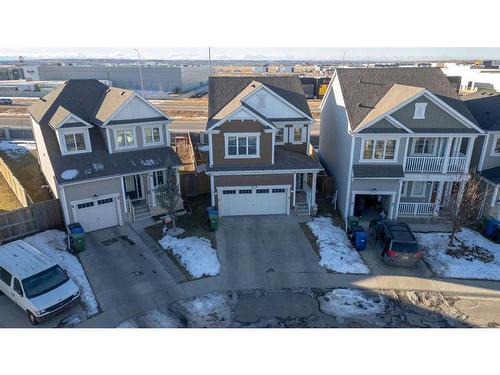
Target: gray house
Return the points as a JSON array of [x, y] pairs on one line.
[[485, 106], [103, 151], [395, 139]]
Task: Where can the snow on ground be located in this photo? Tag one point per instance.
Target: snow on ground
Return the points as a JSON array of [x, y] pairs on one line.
[[195, 254], [351, 303], [204, 148], [16, 149], [53, 243], [210, 310], [434, 246], [336, 252], [69, 174], [152, 319]]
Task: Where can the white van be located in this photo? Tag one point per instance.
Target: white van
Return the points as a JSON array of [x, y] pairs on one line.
[[35, 282]]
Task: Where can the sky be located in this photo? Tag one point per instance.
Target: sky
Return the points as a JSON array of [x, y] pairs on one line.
[[254, 53]]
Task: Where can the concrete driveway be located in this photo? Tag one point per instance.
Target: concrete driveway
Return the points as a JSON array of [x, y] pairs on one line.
[[258, 251], [126, 277]]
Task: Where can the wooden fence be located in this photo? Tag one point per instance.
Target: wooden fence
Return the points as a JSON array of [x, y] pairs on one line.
[[18, 189], [35, 218]]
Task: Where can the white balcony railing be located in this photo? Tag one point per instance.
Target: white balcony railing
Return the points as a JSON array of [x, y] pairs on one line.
[[435, 164], [424, 164], [457, 164], [417, 209]]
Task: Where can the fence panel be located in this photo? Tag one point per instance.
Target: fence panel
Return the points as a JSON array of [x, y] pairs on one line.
[[18, 189]]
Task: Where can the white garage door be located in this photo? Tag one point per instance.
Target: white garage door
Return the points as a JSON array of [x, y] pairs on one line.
[[247, 200], [96, 214]]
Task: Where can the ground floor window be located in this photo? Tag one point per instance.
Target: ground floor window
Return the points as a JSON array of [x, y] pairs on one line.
[[158, 178]]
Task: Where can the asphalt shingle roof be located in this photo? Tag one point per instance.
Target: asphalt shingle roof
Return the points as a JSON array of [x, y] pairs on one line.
[[222, 90], [378, 171], [363, 88], [485, 106], [492, 174]]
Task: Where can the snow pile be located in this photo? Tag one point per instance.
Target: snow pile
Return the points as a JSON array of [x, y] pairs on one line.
[[195, 254], [69, 174], [435, 245], [148, 162], [210, 310], [336, 252], [52, 243], [204, 148], [152, 319], [351, 303], [17, 149]]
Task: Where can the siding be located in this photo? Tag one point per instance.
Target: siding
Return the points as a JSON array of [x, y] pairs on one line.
[[270, 106], [383, 126], [490, 161], [43, 158], [435, 117], [266, 143], [250, 180]]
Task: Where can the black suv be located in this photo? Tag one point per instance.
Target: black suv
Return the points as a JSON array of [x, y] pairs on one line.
[[396, 242]]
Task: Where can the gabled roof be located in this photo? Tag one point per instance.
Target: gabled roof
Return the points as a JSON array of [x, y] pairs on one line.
[[364, 88], [112, 99], [485, 106], [222, 90]]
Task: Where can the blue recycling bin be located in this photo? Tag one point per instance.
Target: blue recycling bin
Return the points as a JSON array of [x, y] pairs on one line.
[[491, 225], [360, 240]]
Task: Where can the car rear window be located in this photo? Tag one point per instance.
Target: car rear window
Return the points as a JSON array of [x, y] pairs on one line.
[[404, 247]]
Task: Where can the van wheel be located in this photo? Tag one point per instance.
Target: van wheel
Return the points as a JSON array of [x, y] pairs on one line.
[[32, 318]]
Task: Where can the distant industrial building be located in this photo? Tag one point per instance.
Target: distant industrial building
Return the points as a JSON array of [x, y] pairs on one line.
[[482, 76], [9, 72], [158, 80]]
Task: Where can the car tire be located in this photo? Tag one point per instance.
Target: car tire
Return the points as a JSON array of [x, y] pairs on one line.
[[32, 318]]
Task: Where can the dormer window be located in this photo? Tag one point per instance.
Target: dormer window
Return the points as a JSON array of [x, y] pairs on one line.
[[152, 135], [419, 113], [125, 138], [75, 142]]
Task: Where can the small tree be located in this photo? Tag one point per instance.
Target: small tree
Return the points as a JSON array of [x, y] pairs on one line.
[[465, 208], [169, 194]]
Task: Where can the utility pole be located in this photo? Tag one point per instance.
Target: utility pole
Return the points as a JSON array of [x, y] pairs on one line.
[[209, 63], [140, 71], [343, 59]]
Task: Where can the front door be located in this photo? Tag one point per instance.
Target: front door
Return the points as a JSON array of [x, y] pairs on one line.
[[133, 187]]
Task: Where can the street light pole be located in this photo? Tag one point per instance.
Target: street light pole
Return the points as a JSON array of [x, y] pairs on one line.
[[140, 71]]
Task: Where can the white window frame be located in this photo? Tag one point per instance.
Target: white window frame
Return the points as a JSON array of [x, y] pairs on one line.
[[434, 147], [284, 136], [496, 138], [419, 113], [118, 147], [362, 148], [302, 135], [412, 190], [143, 130], [61, 133], [241, 135]]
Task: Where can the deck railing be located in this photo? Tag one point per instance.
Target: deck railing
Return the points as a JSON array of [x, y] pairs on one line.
[[436, 164], [417, 209]]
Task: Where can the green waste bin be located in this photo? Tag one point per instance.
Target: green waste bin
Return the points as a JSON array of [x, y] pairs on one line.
[[214, 222], [352, 221], [78, 240]]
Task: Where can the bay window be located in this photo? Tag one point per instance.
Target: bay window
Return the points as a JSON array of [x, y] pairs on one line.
[[242, 145], [379, 149]]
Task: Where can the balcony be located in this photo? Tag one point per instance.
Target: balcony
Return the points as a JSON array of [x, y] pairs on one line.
[[418, 209], [435, 164]]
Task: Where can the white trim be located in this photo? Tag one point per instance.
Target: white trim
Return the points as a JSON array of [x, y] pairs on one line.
[[211, 151], [261, 172], [153, 144], [108, 137], [115, 197], [294, 189], [61, 133], [385, 139], [398, 124], [126, 147], [107, 177], [272, 150], [241, 135], [264, 87], [400, 193], [496, 137], [483, 151], [229, 117], [349, 182], [63, 201], [78, 119]]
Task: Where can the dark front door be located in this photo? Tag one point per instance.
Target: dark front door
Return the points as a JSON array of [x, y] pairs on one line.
[[133, 187]]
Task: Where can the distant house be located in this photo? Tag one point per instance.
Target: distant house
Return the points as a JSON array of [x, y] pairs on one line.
[[259, 146], [397, 140], [103, 151], [485, 106]]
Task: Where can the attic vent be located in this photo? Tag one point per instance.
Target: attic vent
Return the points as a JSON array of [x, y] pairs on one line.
[[371, 83], [365, 106], [108, 90], [253, 85], [43, 99], [122, 93]]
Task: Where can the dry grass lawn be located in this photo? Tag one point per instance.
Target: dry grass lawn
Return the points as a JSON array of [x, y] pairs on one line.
[[8, 200]]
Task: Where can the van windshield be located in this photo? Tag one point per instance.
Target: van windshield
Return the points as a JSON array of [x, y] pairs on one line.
[[44, 281]]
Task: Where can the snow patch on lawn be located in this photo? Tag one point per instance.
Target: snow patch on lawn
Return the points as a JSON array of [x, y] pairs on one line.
[[351, 303], [152, 319], [434, 246], [210, 310], [16, 149], [336, 252], [195, 254], [53, 244], [69, 174]]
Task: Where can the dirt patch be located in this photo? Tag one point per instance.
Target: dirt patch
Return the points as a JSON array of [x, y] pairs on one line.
[[8, 200], [470, 253]]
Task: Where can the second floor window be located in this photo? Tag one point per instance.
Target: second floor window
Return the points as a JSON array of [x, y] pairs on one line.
[[280, 136], [424, 146], [152, 135], [125, 138], [379, 149], [495, 151], [297, 134], [241, 146], [75, 142]]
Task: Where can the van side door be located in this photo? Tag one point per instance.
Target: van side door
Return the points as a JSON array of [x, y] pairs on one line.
[[5, 282]]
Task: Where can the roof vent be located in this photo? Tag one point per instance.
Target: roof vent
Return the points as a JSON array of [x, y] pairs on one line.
[[371, 83], [365, 106], [122, 93], [253, 85]]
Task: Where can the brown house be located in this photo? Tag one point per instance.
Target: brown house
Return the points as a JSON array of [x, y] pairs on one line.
[[259, 130]]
